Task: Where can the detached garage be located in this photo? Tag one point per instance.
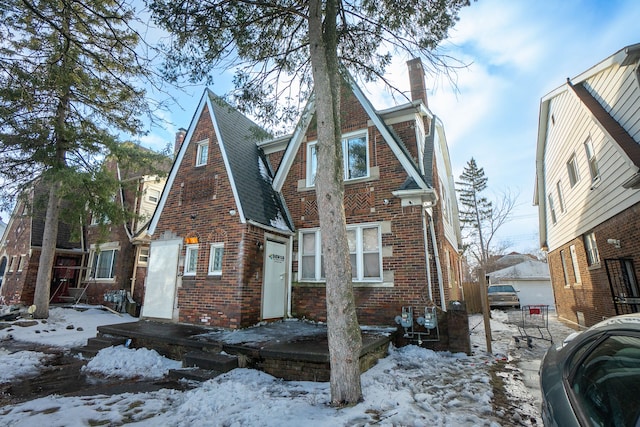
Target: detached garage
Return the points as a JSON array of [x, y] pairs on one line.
[[530, 278]]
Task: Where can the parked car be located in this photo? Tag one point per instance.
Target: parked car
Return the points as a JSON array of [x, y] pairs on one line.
[[503, 296], [593, 379]]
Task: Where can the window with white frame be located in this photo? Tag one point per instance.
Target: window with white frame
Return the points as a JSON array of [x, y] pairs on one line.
[[574, 263], [12, 264], [552, 209], [572, 171], [365, 254], [590, 246], [143, 256], [446, 203], [215, 259], [191, 260], [103, 262], [564, 268], [202, 152], [560, 196], [153, 195], [591, 158], [23, 261], [355, 150]]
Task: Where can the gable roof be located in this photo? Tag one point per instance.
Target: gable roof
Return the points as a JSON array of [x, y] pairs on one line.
[[624, 57], [527, 270], [247, 168], [618, 134], [415, 180]]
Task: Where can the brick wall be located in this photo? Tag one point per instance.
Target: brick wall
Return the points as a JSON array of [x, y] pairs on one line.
[[17, 286], [198, 205], [593, 297], [403, 247]]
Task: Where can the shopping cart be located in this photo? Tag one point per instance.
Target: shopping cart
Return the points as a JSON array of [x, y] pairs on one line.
[[532, 322]]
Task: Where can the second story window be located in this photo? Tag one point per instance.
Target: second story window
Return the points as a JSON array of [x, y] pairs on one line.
[[572, 170], [552, 209], [355, 150], [153, 195], [591, 158], [202, 152], [560, 196]]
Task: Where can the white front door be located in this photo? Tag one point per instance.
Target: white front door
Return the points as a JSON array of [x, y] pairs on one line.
[[274, 288], [162, 274]]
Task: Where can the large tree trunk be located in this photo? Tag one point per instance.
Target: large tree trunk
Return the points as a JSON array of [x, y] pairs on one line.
[[47, 256], [345, 340]]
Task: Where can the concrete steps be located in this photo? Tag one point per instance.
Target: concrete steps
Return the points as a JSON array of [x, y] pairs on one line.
[[210, 361], [94, 345]]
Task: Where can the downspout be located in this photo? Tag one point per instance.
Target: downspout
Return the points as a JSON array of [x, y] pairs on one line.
[[443, 305], [135, 268], [426, 253], [289, 277], [129, 234]]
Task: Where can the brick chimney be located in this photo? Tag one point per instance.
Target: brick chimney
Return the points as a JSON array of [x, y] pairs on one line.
[[179, 140], [416, 81]]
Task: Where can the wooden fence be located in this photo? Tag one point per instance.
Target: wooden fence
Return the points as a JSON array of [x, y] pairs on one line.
[[472, 297]]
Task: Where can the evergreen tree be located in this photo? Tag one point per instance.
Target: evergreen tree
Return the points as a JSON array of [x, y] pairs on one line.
[[271, 43], [480, 218], [67, 73]]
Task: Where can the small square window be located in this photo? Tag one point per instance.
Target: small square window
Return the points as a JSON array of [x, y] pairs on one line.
[[143, 256], [153, 195]]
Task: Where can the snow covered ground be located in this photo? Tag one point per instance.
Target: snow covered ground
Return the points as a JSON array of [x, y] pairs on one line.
[[410, 387]]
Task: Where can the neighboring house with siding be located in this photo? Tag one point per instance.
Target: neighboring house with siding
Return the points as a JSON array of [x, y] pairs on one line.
[[236, 238], [588, 189]]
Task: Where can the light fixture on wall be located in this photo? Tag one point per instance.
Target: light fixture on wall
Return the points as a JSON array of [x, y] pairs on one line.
[[232, 212], [614, 242], [386, 201]]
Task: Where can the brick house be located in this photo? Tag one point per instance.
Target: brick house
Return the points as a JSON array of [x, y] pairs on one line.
[[588, 189], [89, 264], [21, 246], [235, 238]]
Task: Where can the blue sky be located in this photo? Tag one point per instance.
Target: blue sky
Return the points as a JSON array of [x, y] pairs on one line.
[[518, 51]]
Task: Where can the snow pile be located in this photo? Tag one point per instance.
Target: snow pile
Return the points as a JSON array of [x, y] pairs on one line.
[[65, 327], [123, 362], [20, 363]]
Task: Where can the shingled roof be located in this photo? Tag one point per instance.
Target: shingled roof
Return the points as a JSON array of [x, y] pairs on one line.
[[249, 168]]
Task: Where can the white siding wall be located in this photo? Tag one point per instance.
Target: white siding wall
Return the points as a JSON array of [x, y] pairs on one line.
[[146, 206], [586, 204], [445, 176]]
